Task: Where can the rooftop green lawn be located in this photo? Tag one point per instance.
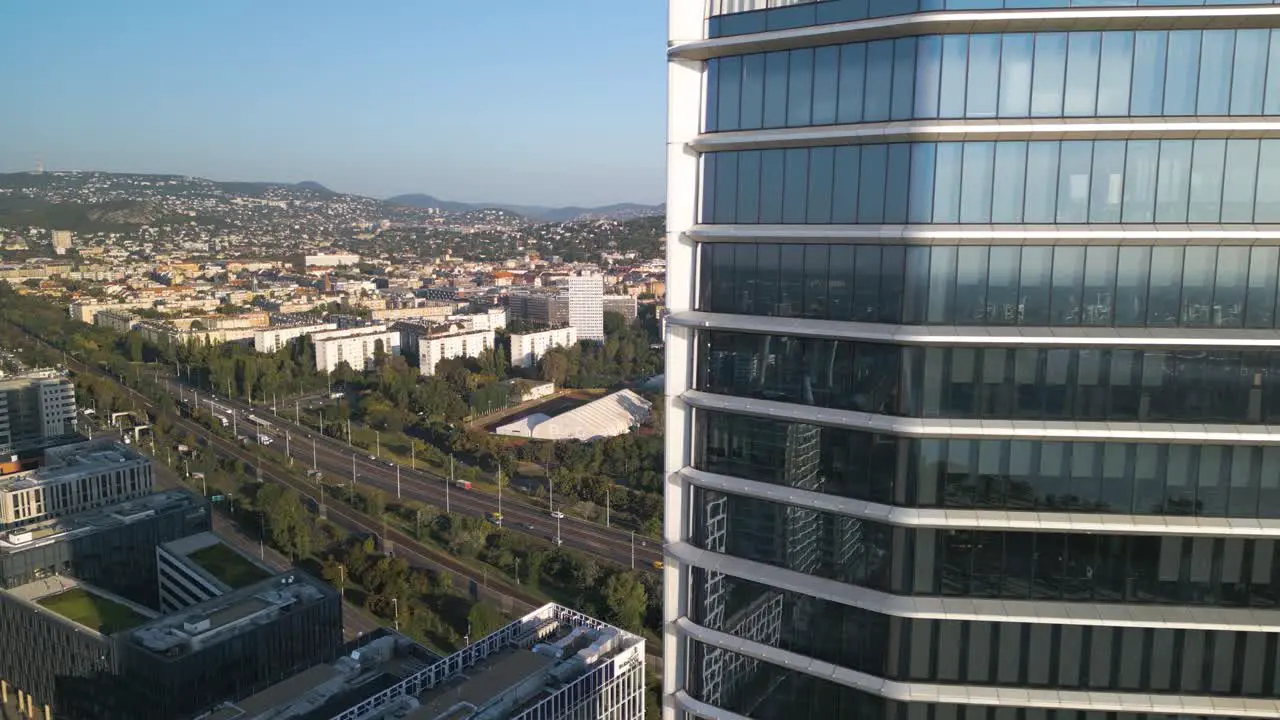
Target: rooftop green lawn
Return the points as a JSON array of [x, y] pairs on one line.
[[228, 566], [92, 611]]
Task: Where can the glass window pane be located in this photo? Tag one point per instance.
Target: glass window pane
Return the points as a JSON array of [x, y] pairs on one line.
[[1106, 193], [749, 186], [979, 163], [826, 76], [1184, 69], [1068, 276], [775, 89], [1015, 74], [752, 111], [1197, 286], [1260, 297], [1267, 208], [1166, 279], [1271, 97], [921, 184], [1149, 50], [840, 283], [928, 74], [817, 261], [971, 286], [871, 184], [820, 178], [955, 55], [1010, 182], [795, 193], [711, 113], [845, 186], [1132, 272], [1099, 285], [879, 80], [866, 283], [1113, 81], [1217, 52], [942, 285], [1249, 71], [947, 174], [1207, 159], [1002, 287], [904, 76], [800, 87], [1174, 177], [1073, 181], [1229, 286], [853, 59], [1083, 50], [1238, 181], [1048, 74], [1041, 196], [984, 65], [729, 85], [896, 184], [1034, 285], [726, 188], [1141, 160], [772, 166]]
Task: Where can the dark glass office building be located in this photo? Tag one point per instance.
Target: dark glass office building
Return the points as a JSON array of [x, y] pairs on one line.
[[971, 410]]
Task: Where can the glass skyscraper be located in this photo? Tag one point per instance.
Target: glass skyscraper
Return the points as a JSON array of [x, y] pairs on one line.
[[973, 318]]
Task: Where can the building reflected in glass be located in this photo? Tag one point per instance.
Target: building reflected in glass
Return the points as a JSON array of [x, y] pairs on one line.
[[973, 357]]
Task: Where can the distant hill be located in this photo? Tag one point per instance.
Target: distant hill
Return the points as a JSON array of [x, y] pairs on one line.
[[532, 212]]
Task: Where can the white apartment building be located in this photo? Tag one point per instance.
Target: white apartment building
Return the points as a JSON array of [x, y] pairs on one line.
[[331, 260], [586, 304], [61, 241], [269, 340], [491, 319], [467, 343], [528, 348], [354, 346]]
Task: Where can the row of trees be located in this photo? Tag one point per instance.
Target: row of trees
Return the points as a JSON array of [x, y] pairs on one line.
[[626, 353]]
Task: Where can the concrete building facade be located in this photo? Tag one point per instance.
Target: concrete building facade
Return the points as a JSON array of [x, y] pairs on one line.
[[271, 339], [455, 344], [36, 410], [354, 346], [585, 294]]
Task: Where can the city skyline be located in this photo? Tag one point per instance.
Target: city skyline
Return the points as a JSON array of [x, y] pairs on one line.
[[363, 102]]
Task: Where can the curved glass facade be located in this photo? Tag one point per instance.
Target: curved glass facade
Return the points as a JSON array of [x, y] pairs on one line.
[[1071, 567], [787, 14], [1042, 182], [996, 383], [1228, 286], [875, 452], [1239, 481], [1041, 655], [1015, 75]]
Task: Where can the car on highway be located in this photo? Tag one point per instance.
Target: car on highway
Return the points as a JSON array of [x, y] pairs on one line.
[[657, 565], [372, 457], [528, 526], [557, 514], [390, 464], [496, 518]]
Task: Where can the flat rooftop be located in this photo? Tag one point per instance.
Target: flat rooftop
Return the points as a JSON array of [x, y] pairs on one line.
[[482, 683], [379, 661], [84, 605], [219, 618], [207, 552], [72, 460], [92, 521]]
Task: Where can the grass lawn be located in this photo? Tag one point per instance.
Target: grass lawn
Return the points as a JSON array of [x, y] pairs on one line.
[[228, 566], [92, 611]]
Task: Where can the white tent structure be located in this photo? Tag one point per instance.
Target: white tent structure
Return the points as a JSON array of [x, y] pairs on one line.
[[611, 415]]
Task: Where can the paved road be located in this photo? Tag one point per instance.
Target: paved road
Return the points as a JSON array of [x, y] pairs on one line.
[[338, 463]]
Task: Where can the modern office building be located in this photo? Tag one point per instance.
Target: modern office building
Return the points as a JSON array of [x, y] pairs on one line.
[[552, 664], [528, 348], [200, 567], [624, 305], [37, 409], [73, 478], [972, 403], [539, 307]]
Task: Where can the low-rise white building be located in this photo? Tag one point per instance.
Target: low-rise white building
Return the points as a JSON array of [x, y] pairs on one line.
[[491, 319], [467, 343], [528, 348], [354, 346], [271, 339], [331, 260], [72, 479]]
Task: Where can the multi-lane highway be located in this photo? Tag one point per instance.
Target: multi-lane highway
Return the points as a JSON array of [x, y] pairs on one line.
[[339, 462]]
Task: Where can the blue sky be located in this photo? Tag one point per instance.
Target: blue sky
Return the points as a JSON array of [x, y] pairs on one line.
[[557, 102]]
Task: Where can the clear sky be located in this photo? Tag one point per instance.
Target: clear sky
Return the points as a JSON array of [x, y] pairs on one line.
[[552, 102]]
